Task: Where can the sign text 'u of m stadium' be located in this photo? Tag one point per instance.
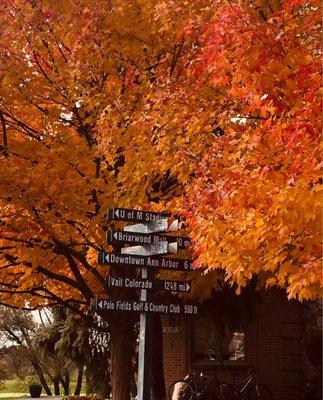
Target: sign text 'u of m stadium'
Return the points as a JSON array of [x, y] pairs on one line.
[[144, 306], [144, 261], [122, 237], [129, 215]]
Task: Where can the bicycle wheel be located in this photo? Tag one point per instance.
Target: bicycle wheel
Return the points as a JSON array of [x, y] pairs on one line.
[[181, 390], [259, 392], [224, 391]]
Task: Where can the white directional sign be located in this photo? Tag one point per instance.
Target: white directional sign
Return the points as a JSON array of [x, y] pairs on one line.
[[151, 249], [130, 215], [139, 283], [124, 237], [144, 306], [142, 261]]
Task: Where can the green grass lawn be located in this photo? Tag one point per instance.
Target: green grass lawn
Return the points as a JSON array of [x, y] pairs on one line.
[[14, 389]]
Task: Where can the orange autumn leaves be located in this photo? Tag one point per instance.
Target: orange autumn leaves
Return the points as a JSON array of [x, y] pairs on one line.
[[210, 109], [255, 204]]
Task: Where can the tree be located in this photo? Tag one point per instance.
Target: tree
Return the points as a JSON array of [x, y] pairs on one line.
[[214, 103], [19, 328], [87, 348], [14, 364], [51, 338]]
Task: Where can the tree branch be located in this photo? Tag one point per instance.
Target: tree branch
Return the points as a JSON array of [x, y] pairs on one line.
[[4, 148]]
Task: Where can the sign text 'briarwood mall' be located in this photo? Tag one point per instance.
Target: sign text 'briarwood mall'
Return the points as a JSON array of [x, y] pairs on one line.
[[144, 261], [122, 237], [129, 215], [144, 306], [140, 283]]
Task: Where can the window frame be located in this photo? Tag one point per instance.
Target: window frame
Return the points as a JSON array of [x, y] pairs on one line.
[[218, 361]]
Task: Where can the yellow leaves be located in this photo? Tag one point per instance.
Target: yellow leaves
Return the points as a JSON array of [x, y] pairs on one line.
[[270, 226], [8, 80], [271, 282], [92, 256], [303, 294], [307, 282], [259, 222]]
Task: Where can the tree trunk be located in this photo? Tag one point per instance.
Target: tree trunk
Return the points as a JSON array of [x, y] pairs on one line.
[[66, 383], [88, 382], [56, 385], [78, 387], [97, 376], [158, 379], [67, 380], [121, 351], [41, 377]]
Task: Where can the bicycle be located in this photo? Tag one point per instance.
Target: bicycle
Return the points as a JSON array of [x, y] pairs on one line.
[[200, 386], [248, 388]]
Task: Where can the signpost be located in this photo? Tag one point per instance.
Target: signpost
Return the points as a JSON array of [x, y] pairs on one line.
[[145, 342], [145, 235]]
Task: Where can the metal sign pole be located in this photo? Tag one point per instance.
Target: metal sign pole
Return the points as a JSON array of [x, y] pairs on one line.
[[145, 343]]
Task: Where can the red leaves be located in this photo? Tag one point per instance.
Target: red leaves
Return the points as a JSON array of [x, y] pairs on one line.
[[250, 187]]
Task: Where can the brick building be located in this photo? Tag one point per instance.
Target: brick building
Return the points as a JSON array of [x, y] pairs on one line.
[[270, 342]]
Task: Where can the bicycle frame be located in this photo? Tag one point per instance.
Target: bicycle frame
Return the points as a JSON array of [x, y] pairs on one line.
[[240, 386], [196, 384]]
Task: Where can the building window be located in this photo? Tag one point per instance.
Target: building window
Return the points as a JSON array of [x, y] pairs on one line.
[[214, 342]]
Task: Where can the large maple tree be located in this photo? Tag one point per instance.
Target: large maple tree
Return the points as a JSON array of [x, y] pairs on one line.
[[210, 109]]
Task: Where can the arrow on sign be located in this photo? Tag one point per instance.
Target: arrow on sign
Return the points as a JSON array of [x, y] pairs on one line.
[[172, 286], [151, 249]]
